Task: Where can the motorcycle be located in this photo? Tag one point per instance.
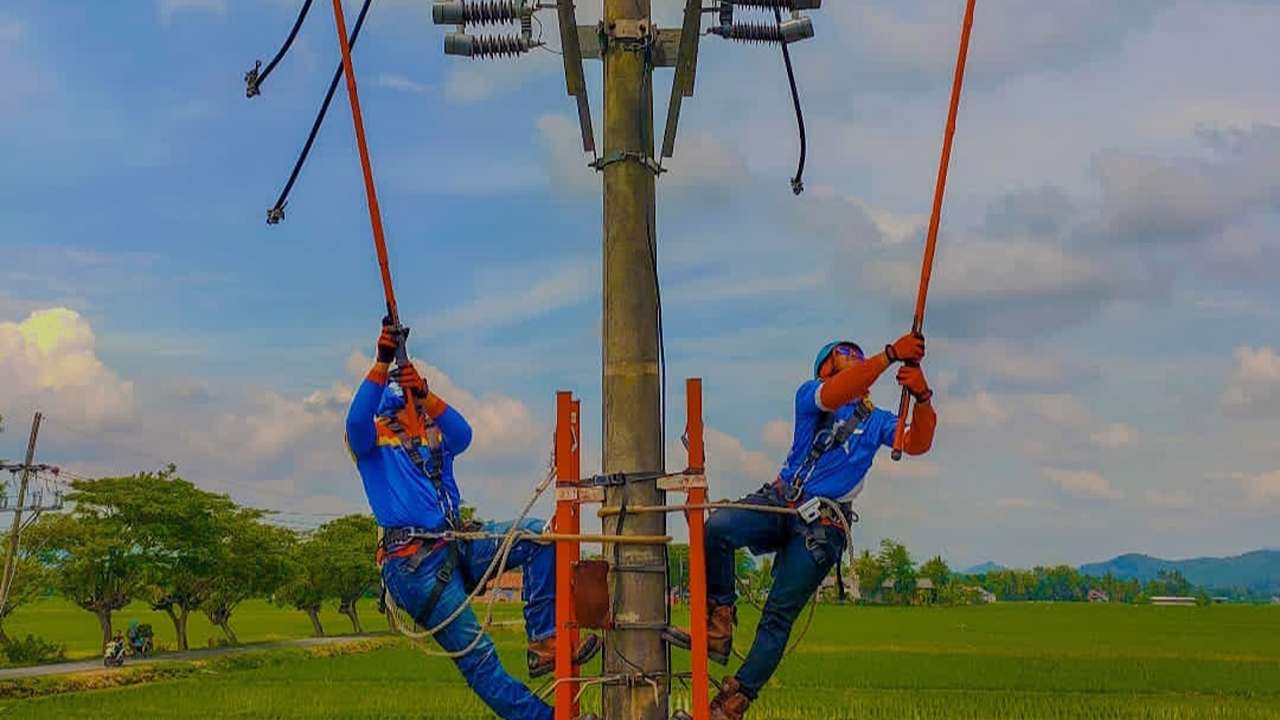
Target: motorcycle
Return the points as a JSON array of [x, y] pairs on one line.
[[114, 654]]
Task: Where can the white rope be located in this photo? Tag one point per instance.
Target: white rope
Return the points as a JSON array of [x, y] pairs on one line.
[[498, 564]]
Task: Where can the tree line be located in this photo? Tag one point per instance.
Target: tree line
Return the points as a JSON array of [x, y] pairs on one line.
[[1061, 583], [158, 538]]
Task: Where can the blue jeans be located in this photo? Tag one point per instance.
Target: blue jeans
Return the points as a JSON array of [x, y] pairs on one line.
[[507, 697], [798, 570]]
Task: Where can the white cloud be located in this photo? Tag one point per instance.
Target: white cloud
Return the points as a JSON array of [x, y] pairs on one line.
[[1170, 499], [392, 81], [1149, 198], [516, 299], [1114, 436], [170, 8], [1082, 483], [562, 142], [1254, 383], [777, 435], [734, 470], [50, 360], [1262, 488]]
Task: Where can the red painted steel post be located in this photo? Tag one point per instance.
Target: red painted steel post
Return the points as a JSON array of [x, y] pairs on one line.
[[574, 549], [566, 521], [697, 555]]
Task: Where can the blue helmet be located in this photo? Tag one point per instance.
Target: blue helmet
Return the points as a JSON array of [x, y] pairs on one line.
[[826, 351]]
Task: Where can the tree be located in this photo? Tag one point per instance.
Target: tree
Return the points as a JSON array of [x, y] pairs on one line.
[[937, 570], [305, 587], [346, 546], [179, 530], [871, 574], [93, 564], [31, 579], [898, 567], [255, 563]]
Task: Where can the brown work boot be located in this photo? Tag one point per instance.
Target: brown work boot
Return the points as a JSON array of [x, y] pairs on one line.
[[720, 632], [720, 622], [730, 703], [541, 656]]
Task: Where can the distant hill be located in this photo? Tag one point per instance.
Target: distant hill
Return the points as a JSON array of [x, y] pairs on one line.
[[1257, 571], [983, 568]]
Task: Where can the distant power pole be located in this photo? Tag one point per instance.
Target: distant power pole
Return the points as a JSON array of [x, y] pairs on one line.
[[11, 558]]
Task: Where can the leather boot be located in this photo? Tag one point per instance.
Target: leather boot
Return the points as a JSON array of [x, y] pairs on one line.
[[720, 622], [730, 703], [541, 656]]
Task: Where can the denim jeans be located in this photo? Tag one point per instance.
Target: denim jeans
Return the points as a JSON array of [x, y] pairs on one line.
[[507, 697], [798, 570]]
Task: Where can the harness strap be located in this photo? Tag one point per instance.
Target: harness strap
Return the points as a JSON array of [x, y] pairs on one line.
[[828, 435], [443, 576], [433, 470]]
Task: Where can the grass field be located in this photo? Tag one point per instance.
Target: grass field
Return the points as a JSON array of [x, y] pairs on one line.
[[255, 621], [1006, 660]]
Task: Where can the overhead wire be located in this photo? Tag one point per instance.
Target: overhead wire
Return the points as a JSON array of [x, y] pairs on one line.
[[797, 182], [276, 213], [253, 79]]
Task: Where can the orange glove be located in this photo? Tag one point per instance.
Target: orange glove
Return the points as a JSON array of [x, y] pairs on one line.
[[409, 379], [908, 348], [912, 378]]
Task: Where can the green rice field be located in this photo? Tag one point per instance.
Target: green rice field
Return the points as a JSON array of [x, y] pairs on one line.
[[1015, 660]]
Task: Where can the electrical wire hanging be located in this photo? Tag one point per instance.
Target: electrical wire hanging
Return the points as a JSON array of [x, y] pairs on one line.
[[252, 79], [276, 213], [797, 182]]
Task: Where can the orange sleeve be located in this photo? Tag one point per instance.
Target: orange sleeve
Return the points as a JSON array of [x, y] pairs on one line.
[[919, 438], [852, 382], [435, 407]]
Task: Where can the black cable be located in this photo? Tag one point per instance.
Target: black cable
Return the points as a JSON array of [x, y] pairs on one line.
[[797, 182], [276, 213], [253, 80]]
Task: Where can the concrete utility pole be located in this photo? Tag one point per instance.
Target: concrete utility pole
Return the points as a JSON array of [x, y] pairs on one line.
[[632, 391], [638, 681], [11, 558]]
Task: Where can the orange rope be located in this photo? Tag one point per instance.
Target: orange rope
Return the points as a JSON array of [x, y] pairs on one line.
[[926, 271]]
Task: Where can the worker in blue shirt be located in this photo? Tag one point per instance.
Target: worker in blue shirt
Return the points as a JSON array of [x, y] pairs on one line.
[[404, 440], [837, 434]]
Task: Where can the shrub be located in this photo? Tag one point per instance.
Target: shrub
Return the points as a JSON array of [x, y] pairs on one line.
[[33, 650]]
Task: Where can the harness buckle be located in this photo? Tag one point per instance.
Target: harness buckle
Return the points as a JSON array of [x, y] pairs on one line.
[[811, 510]]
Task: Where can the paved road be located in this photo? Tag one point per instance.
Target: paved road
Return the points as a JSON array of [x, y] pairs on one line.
[[67, 668]]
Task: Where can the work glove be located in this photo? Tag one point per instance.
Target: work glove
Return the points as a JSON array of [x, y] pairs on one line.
[[912, 378], [908, 348], [388, 342], [410, 381]]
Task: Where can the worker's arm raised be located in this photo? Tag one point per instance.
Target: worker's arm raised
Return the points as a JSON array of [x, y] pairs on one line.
[[856, 381], [362, 434], [924, 420]]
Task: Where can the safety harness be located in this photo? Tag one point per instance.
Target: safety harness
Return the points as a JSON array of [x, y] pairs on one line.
[[433, 470], [829, 433], [417, 544], [816, 517]]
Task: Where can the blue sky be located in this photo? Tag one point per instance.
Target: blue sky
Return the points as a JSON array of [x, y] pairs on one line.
[[1103, 322]]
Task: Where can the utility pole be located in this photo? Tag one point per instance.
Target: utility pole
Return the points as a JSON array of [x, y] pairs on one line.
[[637, 682], [11, 558], [632, 391]]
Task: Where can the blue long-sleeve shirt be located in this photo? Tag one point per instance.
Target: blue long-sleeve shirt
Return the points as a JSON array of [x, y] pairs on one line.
[[840, 471], [400, 493]]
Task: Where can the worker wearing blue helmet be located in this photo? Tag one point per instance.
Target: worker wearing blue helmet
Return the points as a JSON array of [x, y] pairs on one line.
[[404, 440], [837, 435]]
